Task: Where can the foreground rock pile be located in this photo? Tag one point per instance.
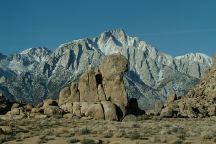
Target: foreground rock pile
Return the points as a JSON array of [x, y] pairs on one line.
[[99, 94], [199, 102]]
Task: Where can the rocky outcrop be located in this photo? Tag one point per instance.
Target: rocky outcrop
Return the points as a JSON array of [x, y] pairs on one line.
[[100, 93], [200, 101], [112, 68]]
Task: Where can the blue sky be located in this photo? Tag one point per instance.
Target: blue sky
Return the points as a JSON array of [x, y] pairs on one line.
[[173, 26]]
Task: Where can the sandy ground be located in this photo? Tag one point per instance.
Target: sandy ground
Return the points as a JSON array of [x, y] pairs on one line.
[[64, 131]]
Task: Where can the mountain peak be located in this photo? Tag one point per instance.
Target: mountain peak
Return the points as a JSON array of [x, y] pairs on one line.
[[37, 50], [116, 33]]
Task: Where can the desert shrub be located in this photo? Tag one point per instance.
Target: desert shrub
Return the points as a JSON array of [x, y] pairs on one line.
[[108, 134], [155, 139], [121, 133], [207, 135], [135, 125], [88, 141], [177, 141], [133, 135], [84, 131], [73, 140]]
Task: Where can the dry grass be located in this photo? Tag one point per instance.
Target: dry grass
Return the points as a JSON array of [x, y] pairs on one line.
[[175, 131]]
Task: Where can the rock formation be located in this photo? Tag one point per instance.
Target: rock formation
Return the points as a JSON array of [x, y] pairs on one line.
[[101, 93], [200, 101]]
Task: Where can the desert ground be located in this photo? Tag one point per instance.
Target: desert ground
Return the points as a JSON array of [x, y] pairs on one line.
[[139, 130]]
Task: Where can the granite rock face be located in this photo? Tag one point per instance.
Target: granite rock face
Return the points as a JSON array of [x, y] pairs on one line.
[[102, 92], [36, 74]]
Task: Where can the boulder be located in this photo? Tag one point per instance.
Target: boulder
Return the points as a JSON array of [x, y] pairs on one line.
[[88, 87], [15, 111], [53, 110], [95, 111], [75, 95], [69, 94], [212, 110], [109, 111], [37, 110], [40, 116], [64, 94], [68, 116], [67, 107], [15, 105], [130, 118], [28, 107], [112, 68], [166, 112], [76, 109], [84, 107], [49, 102]]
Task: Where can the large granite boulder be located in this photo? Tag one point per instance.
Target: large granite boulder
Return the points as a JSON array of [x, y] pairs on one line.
[[99, 93], [88, 87], [112, 68], [69, 94], [110, 112]]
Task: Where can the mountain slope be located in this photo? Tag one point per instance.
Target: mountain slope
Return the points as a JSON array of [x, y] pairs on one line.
[[152, 75]]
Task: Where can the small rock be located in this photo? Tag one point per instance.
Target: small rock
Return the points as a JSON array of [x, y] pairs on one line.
[[40, 116], [166, 112], [15, 105], [68, 116], [15, 111], [130, 118], [212, 110], [53, 110], [49, 102], [76, 109], [68, 107], [28, 107]]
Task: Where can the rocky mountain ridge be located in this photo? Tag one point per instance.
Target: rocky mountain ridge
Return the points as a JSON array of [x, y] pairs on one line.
[[200, 101], [36, 74]]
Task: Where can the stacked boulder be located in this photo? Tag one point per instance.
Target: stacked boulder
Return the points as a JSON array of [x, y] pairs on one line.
[[199, 101], [100, 93]]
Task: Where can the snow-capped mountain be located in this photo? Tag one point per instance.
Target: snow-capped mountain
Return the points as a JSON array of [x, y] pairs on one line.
[[37, 73]]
